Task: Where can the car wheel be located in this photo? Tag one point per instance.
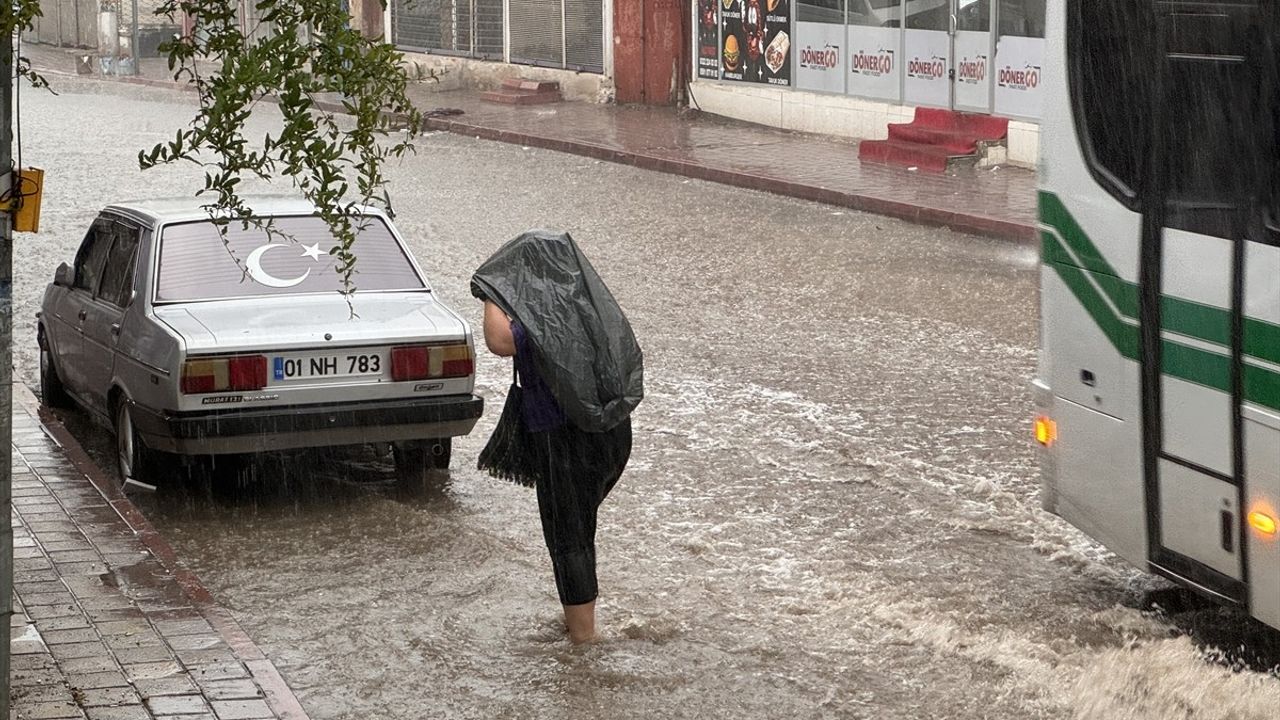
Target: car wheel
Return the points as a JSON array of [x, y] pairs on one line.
[[52, 392], [416, 459], [135, 462]]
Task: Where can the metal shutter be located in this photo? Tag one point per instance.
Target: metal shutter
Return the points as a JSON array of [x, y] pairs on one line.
[[489, 20], [584, 34], [537, 32]]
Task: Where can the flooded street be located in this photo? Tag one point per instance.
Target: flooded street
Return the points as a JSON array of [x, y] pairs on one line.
[[831, 509]]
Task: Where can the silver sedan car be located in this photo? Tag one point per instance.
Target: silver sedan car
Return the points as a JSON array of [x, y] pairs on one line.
[[186, 341]]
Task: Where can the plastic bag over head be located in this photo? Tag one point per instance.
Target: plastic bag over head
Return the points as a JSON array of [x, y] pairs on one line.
[[583, 344]]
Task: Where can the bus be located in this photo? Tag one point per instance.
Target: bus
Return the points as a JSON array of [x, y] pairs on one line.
[[1158, 384]]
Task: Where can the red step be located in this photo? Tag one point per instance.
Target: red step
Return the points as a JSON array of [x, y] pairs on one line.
[[508, 97], [985, 127], [929, 158], [519, 91], [531, 86], [959, 142]]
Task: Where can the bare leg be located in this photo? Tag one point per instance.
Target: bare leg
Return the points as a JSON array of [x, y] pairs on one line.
[[581, 622]]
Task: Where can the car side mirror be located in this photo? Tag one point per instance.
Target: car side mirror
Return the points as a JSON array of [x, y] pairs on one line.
[[63, 277]]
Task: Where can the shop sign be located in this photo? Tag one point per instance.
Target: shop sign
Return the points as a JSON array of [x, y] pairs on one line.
[[756, 37], [820, 56], [1019, 63], [709, 39], [874, 62], [928, 57], [973, 70]]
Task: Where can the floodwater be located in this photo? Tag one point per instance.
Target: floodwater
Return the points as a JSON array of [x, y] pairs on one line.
[[830, 511]]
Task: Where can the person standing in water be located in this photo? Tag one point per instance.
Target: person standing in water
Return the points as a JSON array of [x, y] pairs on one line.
[[580, 374]]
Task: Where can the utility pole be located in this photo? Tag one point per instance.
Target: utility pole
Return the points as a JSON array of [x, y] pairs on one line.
[[6, 360]]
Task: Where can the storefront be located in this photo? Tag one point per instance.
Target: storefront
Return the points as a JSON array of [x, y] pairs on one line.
[[876, 58], [563, 34]]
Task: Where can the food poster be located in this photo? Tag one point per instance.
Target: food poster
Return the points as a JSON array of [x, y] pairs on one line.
[[756, 41], [709, 39]]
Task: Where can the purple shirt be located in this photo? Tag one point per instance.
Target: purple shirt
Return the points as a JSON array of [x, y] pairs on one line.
[[541, 411]]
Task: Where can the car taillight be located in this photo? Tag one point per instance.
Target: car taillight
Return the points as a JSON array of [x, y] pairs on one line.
[[244, 372], [431, 361]]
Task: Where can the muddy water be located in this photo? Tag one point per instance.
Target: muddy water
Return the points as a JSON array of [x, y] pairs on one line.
[[830, 511]]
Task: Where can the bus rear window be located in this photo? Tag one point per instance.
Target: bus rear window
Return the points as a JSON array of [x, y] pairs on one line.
[[196, 264]]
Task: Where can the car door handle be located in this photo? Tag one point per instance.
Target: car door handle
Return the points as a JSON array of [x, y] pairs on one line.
[[115, 329], [82, 314]]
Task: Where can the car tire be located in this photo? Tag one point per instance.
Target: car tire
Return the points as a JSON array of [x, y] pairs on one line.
[[53, 394], [416, 459], [134, 460]]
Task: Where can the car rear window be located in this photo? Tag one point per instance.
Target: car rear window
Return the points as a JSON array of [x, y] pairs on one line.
[[196, 264]]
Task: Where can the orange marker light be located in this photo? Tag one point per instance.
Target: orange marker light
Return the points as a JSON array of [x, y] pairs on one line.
[[1262, 522], [1046, 431]]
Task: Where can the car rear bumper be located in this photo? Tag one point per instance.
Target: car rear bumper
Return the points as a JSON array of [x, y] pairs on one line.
[[299, 426]]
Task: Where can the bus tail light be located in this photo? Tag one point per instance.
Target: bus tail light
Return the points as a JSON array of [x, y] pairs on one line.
[[431, 361], [233, 374], [1046, 431]]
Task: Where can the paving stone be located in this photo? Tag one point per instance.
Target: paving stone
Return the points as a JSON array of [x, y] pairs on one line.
[[64, 637], [152, 670], [109, 697], [66, 622], [92, 681], [173, 628], [199, 658], [48, 598], [30, 662], [241, 710], [31, 563], [231, 690], [123, 627], [45, 711], [223, 671], [66, 546], [175, 685], [35, 575], [178, 705], [40, 677], [205, 641], [201, 716], [102, 663], [71, 651], [143, 638], [128, 712], [81, 568], [41, 612], [26, 589], [146, 654], [63, 557], [29, 552]]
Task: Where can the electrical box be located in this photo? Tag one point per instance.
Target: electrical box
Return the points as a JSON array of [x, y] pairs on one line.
[[28, 191]]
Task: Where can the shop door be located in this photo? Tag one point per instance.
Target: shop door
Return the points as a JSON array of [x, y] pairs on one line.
[[948, 47]]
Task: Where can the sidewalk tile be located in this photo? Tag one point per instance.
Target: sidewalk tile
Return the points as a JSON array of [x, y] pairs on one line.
[[178, 705], [174, 685], [94, 681], [72, 651], [63, 637], [241, 709], [128, 712], [109, 697], [231, 690]]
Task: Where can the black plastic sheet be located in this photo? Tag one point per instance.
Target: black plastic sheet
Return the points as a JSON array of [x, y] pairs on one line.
[[583, 344]]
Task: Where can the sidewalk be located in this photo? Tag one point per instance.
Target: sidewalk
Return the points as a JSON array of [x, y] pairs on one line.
[[107, 624], [998, 202]]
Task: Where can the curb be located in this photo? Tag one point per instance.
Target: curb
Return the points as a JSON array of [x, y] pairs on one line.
[[973, 223], [277, 694]]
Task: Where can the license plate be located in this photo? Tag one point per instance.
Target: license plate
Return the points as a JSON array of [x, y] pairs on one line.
[[304, 366]]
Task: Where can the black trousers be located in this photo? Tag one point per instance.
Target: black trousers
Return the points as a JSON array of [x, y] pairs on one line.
[[579, 470]]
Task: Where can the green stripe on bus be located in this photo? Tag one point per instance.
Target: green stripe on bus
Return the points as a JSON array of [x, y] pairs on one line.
[[1196, 320]]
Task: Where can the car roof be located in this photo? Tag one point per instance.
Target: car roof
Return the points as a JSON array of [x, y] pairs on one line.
[[188, 209]]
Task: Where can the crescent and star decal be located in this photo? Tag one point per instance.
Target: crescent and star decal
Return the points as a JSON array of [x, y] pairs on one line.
[[254, 264]]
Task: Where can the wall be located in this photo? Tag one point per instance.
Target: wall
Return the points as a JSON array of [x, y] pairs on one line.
[[455, 73], [825, 114]]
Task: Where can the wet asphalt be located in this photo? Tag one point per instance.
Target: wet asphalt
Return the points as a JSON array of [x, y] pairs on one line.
[[831, 509]]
